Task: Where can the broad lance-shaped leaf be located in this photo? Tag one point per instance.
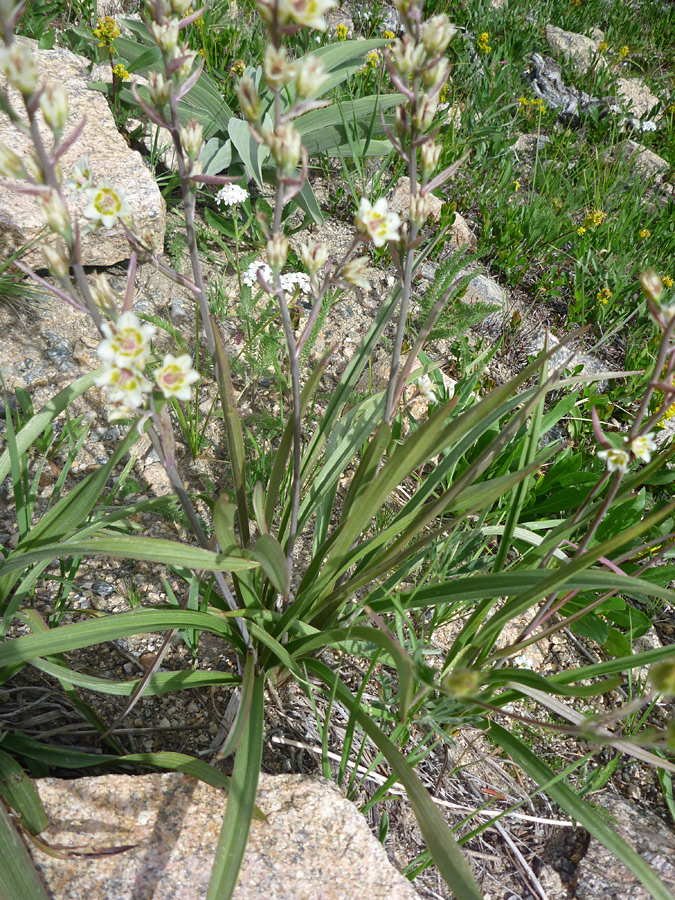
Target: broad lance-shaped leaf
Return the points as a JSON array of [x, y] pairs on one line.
[[269, 553], [18, 791], [18, 877], [241, 800], [127, 547]]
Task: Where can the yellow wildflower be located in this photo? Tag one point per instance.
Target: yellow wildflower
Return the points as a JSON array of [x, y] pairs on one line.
[[516, 186], [603, 47], [604, 295], [483, 45], [120, 72], [667, 281], [623, 52], [581, 231], [388, 35], [595, 217], [644, 233], [341, 32], [106, 31]]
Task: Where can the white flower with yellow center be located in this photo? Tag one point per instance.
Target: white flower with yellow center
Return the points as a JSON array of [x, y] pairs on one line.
[[643, 447], [107, 205], [377, 223], [126, 386], [127, 343], [81, 177], [617, 460], [176, 376]]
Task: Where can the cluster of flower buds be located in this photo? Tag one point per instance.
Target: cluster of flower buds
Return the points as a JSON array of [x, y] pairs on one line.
[[125, 351]]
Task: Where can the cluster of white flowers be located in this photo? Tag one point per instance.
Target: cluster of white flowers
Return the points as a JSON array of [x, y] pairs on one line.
[[125, 351], [641, 448], [231, 195], [289, 280]]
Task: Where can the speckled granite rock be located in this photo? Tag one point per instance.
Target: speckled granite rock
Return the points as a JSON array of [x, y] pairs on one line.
[[581, 51], [315, 844], [109, 158], [635, 97]]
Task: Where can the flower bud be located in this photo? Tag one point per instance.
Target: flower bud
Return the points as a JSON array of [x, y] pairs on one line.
[[166, 35], [179, 7], [188, 56], [55, 261], [276, 68], [311, 76], [277, 251], [54, 211], [191, 137], [314, 255], [355, 272], [158, 89], [436, 75], [430, 153], [420, 207], [18, 64], [10, 164], [285, 146], [249, 101], [401, 123], [406, 54], [437, 33], [54, 106], [102, 293], [662, 677], [652, 285], [426, 111], [462, 682]]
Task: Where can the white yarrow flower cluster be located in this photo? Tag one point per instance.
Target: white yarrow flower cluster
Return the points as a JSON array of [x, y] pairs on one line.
[[289, 280], [125, 351], [231, 195]]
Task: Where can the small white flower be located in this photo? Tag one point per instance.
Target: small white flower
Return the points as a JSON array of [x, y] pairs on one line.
[[81, 177], [643, 447], [523, 661], [314, 255], [426, 386], [355, 272], [291, 280], [617, 460], [176, 376], [276, 68], [126, 386], [377, 223], [311, 13], [127, 343], [107, 204], [231, 195]]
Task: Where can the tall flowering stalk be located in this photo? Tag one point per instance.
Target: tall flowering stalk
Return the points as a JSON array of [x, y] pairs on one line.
[[125, 345]]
